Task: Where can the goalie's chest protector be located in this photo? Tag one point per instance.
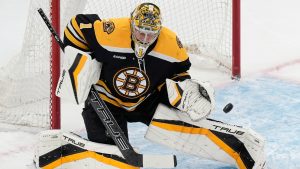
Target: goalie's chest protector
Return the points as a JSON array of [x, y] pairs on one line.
[[121, 78]]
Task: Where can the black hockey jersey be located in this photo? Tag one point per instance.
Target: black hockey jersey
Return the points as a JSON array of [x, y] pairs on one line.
[[121, 82]]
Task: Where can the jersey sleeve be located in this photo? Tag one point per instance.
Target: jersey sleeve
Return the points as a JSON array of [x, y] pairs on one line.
[[170, 49], [76, 33], [184, 64], [181, 66]]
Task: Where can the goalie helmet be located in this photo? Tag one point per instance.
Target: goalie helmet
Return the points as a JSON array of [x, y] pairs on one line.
[[145, 27]]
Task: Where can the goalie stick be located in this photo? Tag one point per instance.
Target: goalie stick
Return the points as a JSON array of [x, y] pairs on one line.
[[132, 157]]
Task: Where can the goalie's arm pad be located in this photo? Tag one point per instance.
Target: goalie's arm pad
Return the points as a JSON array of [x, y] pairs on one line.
[[193, 97], [79, 72]]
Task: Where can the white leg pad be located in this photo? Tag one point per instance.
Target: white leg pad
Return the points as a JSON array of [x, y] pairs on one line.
[[207, 138], [62, 150]]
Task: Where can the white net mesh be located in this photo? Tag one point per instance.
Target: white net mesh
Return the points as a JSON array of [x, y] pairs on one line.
[[204, 26], [24, 83]]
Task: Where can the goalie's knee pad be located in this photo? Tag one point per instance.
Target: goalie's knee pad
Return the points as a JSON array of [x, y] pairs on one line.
[[207, 138], [57, 149]]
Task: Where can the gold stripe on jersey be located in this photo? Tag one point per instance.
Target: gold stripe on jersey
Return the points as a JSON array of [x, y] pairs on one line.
[[106, 95], [76, 27], [108, 100], [120, 37], [74, 33], [75, 41], [130, 107], [180, 75], [129, 104], [101, 83], [168, 45]]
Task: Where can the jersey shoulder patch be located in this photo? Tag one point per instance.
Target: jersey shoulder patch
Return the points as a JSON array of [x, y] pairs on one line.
[[113, 33], [108, 26]]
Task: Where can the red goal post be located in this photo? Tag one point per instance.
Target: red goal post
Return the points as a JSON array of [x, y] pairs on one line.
[[236, 39], [55, 67]]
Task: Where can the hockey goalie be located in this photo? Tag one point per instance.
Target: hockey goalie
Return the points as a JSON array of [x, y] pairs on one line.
[[140, 70]]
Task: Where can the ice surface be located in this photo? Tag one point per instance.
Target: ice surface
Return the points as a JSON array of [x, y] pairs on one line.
[[267, 99]]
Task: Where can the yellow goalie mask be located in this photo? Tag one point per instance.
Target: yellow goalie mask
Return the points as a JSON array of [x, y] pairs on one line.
[[145, 27]]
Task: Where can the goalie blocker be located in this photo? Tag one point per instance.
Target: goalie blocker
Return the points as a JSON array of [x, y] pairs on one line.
[[79, 72], [207, 138]]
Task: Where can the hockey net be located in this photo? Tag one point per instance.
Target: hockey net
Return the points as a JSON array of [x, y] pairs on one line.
[[204, 26]]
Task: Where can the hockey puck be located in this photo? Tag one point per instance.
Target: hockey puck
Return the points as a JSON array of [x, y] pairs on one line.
[[228, 108]]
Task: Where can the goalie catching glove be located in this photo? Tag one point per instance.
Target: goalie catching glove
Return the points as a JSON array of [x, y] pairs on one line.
[[194, 98], [79, 72]]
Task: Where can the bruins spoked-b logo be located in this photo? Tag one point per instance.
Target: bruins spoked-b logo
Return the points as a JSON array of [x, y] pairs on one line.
[[131, 82], [108, 27]]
